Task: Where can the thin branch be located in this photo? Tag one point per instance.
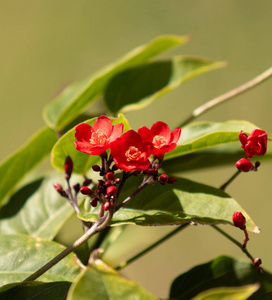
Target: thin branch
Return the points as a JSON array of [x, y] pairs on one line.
[[151, 247], [229, 95], [223, 186]]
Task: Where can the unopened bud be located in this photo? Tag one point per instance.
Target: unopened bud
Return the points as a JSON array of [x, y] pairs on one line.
[[76, 187], [93, 202], [111, 190], [239, 220], [244, 165], [150, 171], [60, 190], [171, 180], [163, 178], [110, 176], [107, 205], [87, 182], [86, 191], [96, 168], [108, 183], [68, 166], [117, 180], [257, 262]]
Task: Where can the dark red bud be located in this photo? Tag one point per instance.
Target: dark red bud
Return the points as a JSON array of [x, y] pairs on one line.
[[86, 191], [114, 168], [87, 182], [96, 168], [107, 205], [171, 180], [239, 220], [163, 178], [68, 166], [257, 262], [111, 190], [60, 190], [244, 165], [150, 171], [110, 176], [93, 202], [257, 164], [108, 183], [107, 196], [76, 187]]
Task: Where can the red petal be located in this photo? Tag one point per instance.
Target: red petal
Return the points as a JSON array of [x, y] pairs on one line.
[[162, 129], [175, 135], [104, 124], [83, 132], [146, 134], [117, 131]]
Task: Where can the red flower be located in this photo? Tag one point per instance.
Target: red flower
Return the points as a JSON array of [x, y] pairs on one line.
[[161, 137], [244, 165], [255, 143], [130, 153], [97, 139], [239, 220]]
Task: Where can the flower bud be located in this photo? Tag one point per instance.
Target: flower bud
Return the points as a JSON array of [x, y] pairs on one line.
[[60, 190], [244, 165], [111, 190], [76, 187], [239, 220], [257, 262], [68, 166], [117, 180], [110, 176], [93, 202], [107, 205], [163, 178], [86, 191], [96, 168], [171, 180], [87, 182], [150, 171], [108, 183]]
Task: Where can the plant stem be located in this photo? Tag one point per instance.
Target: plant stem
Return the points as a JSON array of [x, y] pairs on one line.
[[235, 242], [149, 248], [229, 95], [223, 186], [97, 227]]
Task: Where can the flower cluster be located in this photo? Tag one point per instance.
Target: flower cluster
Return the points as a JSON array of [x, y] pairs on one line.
[[132, 152], [254, 144]]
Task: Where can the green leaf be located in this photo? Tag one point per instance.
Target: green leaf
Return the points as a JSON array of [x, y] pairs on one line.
[[185, 201], [35, 290], [74, 99], [82, 161], [228, 293], [22, 255], [36, 209], [17, 165], [222, 271], [105, 283], [137, 87]]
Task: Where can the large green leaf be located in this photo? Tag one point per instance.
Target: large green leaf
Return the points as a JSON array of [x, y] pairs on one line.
[[70, 103], [104, 283], [22, 255], [208, 144], [35, 290], [36, 209], [137, 87], [65, 147], [221, 272], [228, 293], [185, 201], [17, 165]]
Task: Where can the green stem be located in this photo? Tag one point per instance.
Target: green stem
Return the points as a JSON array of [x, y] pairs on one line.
[[235, 242], [223, 186], [161, 240], [229, 95]]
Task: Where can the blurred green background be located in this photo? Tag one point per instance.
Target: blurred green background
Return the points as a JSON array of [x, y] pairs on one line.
[[46, 45]]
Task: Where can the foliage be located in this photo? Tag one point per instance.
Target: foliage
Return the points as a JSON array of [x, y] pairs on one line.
[[125, 183]]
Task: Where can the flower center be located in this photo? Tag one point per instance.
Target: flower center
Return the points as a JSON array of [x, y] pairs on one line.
[[98, 138], [159, 141], [133, 154]]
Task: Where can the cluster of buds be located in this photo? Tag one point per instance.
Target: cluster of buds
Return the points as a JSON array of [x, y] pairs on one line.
[[254, 144]]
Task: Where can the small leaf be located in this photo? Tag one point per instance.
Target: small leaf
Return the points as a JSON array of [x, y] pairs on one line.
[[22, 255], [137, 87], [223, 271], [185, 201], [74, 99], [17, 165], [66, 147], [35, 290], [36, 209], [95, 283], [228, 293]]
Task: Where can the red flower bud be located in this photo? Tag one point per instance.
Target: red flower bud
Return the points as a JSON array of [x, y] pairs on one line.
[[171, 180], [257, 262], [107, 183], [163, 178], [60, 190], [111, 190], [93, 202], [76, 187], [86, 191], [68, 166], [239, 220], [107, 205], [96, 168], [110, 176], [244, 165], [117, 180], [150, 171], [87, 182]]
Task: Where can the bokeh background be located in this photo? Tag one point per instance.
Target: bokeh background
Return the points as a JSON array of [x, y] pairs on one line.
[[46, 45]]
